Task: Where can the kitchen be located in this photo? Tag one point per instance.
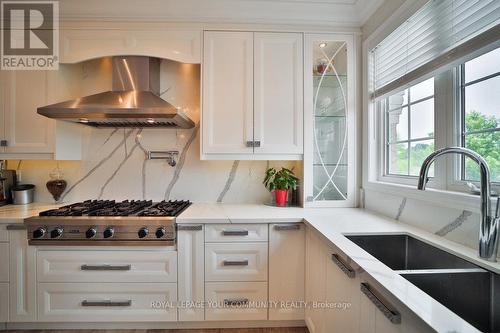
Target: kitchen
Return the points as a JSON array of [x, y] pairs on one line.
[[250, 166]]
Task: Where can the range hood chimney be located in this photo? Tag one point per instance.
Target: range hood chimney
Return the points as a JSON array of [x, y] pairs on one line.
[[134, 100]]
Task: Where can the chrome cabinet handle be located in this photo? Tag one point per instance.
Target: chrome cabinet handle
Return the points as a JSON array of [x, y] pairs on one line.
[[105, 268], [235, 263], [107, 303], [348, 270], [235, 301], [15, 227], [4, 143], [250, 144], [393, 315], [282, 227], [190, 227], [235, 232], [256, 144]]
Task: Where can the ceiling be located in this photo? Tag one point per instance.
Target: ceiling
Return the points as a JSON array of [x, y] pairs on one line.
[[351, 13]]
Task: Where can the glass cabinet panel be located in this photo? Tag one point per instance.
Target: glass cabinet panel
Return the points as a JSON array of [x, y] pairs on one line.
[[328, 169]]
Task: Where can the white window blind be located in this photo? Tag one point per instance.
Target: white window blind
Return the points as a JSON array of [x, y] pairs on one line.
[[438, 27]]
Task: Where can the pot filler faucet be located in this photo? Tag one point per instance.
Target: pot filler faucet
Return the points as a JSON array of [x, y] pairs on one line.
[[490, 223]]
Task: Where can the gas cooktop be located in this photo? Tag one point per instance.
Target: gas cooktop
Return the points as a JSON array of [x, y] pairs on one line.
[[107, 222], [121, 208]]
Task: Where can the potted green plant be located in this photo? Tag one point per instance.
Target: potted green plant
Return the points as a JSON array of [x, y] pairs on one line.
[[280, 182]]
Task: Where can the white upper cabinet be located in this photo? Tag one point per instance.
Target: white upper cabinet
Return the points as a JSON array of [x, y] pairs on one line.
[[78, 45], [278, 102], [252, 95], [227, 114], [330, 119], [24, 130], [24, 133]]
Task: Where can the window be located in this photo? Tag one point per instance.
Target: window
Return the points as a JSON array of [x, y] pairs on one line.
[[480, 113], [409, 129]]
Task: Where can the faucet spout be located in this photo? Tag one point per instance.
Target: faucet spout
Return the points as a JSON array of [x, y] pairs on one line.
[[490, 224]]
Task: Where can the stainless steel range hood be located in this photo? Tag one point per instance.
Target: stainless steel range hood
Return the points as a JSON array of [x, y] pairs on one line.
[[133, 102]]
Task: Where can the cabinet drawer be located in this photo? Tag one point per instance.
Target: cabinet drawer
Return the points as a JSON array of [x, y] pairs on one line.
[[4, 262], [106, 266], [4, 302], [236, 233], [236, 301], [236, 262], [67, 302]]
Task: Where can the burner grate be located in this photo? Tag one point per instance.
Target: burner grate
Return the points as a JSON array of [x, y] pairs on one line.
[[124, 208], [166, 208], [80, 208]]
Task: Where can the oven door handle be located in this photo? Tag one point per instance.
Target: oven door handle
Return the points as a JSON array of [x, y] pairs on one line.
[[106, 267]]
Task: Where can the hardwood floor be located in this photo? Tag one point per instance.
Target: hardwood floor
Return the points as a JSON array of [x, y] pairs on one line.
[[217, 330]]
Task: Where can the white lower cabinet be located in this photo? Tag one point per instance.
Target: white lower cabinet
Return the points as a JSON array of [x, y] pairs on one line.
[[236, 300], [22, 277], [316, 260], [106, 266], [4, 302], [286, 271], [353, 302], [236, 262], [4, 262], [382, 313], [191, 272], [77, 302]]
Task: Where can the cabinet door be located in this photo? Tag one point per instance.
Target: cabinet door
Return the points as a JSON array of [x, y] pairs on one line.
[[2, 109], [22, 278], [286, 271], [25, 130], [330, 120], [342, 294], [316, 260], [227, 116], [4, 302], [191, 273], [278, 102]]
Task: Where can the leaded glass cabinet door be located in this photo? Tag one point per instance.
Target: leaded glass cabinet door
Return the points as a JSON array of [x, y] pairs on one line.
[[329, 120]]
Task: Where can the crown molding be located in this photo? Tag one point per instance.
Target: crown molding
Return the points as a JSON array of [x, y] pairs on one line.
[[333, 13]]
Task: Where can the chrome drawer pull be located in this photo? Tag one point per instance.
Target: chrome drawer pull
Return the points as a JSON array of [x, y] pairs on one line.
[[190, 227], [15, 227], [105, 268], [343, 266], [281, 227], [235, 232], [236, 302], [107, 303], [235, 262], [393, 315]]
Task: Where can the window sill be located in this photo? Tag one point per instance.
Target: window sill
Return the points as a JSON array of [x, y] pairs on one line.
[[456, 200]]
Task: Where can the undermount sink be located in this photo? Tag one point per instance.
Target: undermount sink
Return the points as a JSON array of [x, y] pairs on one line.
[[403, 252], [471, 292], [474, 295]]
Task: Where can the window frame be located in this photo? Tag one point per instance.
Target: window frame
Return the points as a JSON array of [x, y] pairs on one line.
[[449, 130]]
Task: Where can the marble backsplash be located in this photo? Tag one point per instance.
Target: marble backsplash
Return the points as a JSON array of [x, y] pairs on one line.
[[461, 226], [115, 166]]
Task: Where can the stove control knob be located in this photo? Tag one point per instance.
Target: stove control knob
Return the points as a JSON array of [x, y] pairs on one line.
[[39, 233], [109, 232], [90, 233], [143, 232], [56, 233], [160, 232]]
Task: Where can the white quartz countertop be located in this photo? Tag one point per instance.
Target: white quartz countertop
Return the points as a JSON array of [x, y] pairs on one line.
[[17, 213]]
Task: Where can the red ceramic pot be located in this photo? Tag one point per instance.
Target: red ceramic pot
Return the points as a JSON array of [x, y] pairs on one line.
[[280, 196]]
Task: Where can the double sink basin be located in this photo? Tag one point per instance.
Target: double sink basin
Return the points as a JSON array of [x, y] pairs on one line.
[[468, 290]]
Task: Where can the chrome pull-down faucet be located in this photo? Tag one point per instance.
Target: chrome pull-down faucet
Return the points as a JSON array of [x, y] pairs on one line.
[[489, 228]]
